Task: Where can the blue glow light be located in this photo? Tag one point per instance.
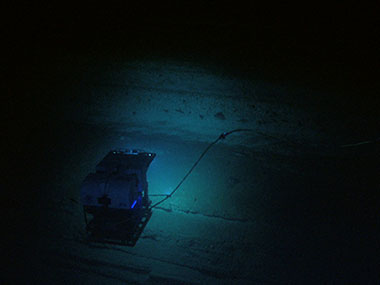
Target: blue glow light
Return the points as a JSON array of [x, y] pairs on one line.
[[134, 203]]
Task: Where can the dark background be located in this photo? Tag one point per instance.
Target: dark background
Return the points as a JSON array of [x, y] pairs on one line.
[[330, 49]]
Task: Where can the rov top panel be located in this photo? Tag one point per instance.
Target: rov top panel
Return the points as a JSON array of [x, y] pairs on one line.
[[125, 159]]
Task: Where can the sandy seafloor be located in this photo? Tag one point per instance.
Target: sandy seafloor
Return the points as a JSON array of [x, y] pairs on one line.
[[285, 203]]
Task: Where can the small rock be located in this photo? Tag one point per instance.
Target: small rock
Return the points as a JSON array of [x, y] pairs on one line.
[[220, 116]]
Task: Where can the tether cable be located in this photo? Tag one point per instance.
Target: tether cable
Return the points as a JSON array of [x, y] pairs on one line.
[[221, 137]]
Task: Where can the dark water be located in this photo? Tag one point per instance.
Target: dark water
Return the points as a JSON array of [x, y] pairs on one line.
[[292, 206]]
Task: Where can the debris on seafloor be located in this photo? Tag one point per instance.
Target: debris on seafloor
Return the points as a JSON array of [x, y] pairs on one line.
[[220, 116]]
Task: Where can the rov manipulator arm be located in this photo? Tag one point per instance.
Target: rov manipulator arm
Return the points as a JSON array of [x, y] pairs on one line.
[[221, 137]]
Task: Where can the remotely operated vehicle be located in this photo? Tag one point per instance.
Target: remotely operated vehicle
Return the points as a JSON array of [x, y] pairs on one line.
[[115, 198]]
